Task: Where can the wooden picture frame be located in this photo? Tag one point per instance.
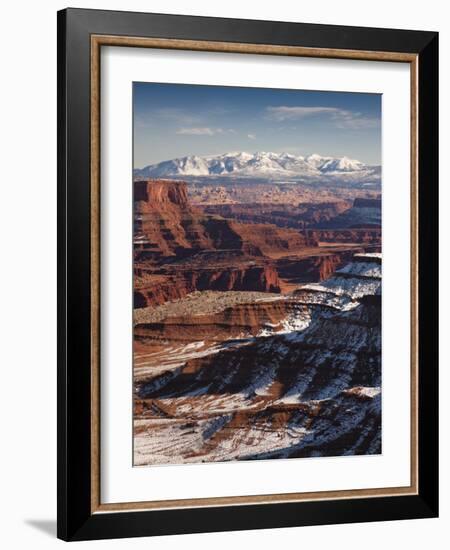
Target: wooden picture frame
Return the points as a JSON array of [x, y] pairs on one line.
[[81, 35]]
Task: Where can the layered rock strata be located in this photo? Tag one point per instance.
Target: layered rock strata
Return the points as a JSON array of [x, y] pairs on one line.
[[301, 379]]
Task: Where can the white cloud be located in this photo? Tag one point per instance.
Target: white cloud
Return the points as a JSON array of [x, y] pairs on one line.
[[205, 131], [176, 115], [251, 136], [341, 118], [355, 121], [151, 117], [284, 112]]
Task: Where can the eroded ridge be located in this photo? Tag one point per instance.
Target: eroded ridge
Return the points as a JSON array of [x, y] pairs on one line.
[[242, 375]]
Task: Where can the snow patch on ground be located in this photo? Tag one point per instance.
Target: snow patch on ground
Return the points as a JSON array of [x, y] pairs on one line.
[[362, 269]]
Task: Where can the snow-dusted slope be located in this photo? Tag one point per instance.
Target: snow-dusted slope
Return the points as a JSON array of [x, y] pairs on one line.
[[309, 386], [263, 165]]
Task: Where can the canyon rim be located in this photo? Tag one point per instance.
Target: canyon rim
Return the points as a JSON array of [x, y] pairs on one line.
[[257, 274]]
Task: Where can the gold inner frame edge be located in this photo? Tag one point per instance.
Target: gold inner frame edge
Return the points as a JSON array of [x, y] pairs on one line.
[[97, 41]]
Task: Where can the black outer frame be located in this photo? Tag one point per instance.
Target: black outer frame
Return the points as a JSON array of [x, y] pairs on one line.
[[75, 521]]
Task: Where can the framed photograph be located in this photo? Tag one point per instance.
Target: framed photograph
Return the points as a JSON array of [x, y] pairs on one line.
[[247, 274]]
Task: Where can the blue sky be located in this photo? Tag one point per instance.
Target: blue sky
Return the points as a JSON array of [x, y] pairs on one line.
[[175, 120]]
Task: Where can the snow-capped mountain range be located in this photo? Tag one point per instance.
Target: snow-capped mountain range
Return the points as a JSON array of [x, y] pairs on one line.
[[264, 165]]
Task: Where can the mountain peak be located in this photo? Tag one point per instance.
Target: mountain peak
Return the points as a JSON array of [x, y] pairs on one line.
[[261, 164]]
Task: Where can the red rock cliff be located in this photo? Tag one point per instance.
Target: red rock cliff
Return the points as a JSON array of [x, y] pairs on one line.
[[166, 223]]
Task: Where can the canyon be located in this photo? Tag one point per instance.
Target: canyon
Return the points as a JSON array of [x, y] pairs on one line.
[[257, 323], [284, 376], [180, 247]]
